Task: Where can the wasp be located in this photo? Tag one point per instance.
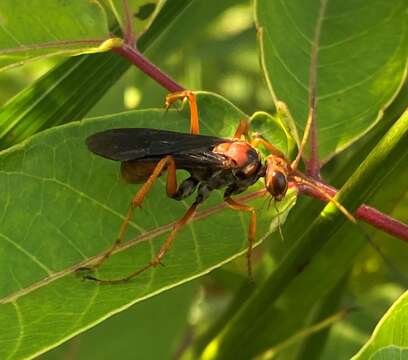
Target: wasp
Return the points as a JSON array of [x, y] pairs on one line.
[[232, 164]]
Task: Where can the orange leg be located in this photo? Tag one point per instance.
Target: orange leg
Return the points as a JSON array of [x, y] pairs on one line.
[[162, 251], [242, 129], [252, 228], [181, 95], [268, 146], [171, 188]]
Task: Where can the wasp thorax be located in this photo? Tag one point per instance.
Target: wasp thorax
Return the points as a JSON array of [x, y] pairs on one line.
[[276, 180], [242, 154]]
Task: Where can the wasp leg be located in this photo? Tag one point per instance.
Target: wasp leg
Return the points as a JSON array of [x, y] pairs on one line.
[[171, 188], [252, 227], [257, 141], [181, 95], [165, 247], [242, 129]]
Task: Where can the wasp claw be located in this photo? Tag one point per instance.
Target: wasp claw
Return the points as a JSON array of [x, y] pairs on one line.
[[90, 277], [85, 273]]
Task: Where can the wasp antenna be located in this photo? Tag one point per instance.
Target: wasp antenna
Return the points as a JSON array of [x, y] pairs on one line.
[[266, 203], [345, 212], [279, 223], [269, 202]]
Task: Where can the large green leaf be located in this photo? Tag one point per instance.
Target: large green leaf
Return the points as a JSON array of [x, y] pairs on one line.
[[49, 27], [390, 338], [138, 332], [72, 204], [362, 56]]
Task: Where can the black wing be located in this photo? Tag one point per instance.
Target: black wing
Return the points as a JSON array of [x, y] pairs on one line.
[[129, 144]]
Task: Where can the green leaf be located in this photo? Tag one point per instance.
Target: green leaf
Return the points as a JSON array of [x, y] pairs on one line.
[[389, 340], [148, 329], [361, 65], [64, 94], [313, 345], [49, 27], [275, 130], [72, 204], [348, 336]]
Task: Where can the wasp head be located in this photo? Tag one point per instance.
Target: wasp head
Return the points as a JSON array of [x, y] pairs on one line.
[[276, 176]]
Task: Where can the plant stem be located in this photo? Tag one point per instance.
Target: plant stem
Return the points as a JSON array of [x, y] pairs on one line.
[[365, 213], [129, 35], [136, 57], [310, 133]]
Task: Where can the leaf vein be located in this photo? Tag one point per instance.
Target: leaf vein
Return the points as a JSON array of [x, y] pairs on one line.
[[277, 55], [25, 252], [21, 327], [76, 191]]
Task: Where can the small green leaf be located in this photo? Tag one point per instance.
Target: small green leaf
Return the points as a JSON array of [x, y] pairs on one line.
[[361, 62], [72, 203], [274, 130], [390, 337], [42, 28]]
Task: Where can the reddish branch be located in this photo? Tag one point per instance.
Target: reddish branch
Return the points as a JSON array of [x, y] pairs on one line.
[[136, 57], [130, 52], [364, 212], [129, 35], [313, 164]]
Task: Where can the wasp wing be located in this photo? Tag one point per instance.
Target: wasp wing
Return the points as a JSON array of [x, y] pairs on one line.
[[128, 144]]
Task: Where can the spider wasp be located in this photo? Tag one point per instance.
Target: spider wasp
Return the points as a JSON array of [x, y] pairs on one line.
[[233, 164]]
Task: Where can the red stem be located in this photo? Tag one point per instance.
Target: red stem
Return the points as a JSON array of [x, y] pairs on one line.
[[364, 212], [136, 57], [313, 165]]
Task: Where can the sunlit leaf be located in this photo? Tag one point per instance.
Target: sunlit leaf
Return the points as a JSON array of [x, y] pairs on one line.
[[139, 330], [274, 130], [362, 52], [72, 204], [390, 338], [43, 28]]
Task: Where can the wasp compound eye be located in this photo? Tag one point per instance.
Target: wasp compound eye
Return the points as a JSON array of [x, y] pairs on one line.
[[279, 185]]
